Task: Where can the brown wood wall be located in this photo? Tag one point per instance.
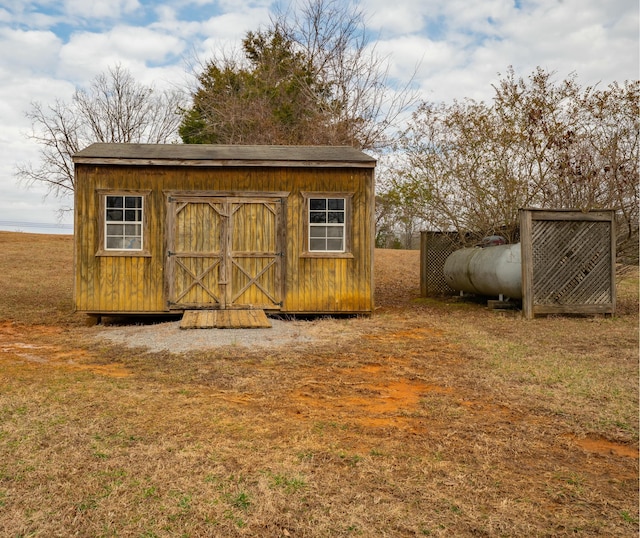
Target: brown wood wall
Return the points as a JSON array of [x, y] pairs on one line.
[[137, 284]]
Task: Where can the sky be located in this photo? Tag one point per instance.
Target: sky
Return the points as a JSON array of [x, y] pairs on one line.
[[456, 48]]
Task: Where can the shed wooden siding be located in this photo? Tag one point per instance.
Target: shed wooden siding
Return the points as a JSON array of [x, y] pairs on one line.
[[137, 284]]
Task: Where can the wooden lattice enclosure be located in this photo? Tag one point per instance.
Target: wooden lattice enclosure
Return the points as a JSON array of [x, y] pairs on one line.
[[435, 248], [568, 261]]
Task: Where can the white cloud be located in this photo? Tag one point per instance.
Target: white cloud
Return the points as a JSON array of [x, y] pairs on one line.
[[465, 45], [34, 15], [89, 53], [233, 26], [100, 9], [409, 54], [396, 17], [244, 6], [16, 96], [478, 17], [27, 50], [595, 39], [213, 34], [222, 35]]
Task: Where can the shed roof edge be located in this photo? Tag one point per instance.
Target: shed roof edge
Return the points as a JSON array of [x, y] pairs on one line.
[[223, 155]]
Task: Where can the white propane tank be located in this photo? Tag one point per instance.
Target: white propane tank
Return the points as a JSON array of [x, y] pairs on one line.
[[491, 271]]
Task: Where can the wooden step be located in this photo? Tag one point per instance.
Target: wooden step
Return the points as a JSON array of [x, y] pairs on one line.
[[224, 319], [198, 319]]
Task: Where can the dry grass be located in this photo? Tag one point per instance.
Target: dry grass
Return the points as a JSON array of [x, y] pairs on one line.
[[437, 417]]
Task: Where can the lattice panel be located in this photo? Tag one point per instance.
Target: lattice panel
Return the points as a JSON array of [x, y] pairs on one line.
[[435, 248], [568, 261], [571, 262]]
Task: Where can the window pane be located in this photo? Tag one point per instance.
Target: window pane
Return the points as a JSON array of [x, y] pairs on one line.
[[115, 215], [334, 244], [336, 217], [131, 215], [115, 229], [132, 229], [334, 231], [317, 203], [317, 217], [132, 243], [318, 231], [336, 203], [114, 242], [114, 201], [317, 244], [133, 201]]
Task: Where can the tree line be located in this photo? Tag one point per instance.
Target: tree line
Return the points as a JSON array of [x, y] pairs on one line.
[[468, 166], [311, 77]]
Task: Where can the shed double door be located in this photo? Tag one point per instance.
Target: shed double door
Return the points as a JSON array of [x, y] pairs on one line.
[[224, 252]]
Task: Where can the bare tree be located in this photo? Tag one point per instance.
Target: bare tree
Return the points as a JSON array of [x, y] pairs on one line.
[[457, 171], [607, 160], [470, 166], [115, 108], [365, 107]]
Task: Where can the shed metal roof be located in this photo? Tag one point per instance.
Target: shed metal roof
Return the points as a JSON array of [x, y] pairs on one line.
[[223, 155]]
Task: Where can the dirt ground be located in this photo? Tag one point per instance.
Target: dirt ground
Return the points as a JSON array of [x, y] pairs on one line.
[[400, 383]]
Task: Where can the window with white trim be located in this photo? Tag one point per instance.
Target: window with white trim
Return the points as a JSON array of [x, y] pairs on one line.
[[123, 222], [327, 221]]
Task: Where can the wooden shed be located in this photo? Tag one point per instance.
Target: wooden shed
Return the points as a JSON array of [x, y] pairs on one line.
[[168, 228]]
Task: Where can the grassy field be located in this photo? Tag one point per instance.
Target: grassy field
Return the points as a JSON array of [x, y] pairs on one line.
[[431, 418]]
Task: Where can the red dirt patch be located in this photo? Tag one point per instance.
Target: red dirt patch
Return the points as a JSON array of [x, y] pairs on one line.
[[604, 446], [14, 348]]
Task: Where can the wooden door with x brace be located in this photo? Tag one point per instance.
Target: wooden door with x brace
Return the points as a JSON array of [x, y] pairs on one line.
[[224, 252]]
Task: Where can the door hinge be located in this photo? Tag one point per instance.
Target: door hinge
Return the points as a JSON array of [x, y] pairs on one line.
[[169, 253]]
